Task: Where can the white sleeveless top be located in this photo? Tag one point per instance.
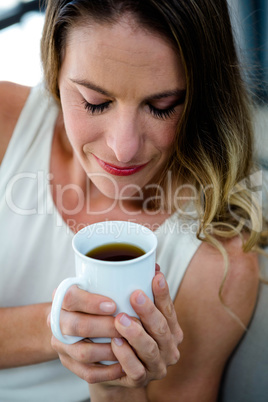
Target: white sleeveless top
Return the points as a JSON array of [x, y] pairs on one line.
[[36, 252]]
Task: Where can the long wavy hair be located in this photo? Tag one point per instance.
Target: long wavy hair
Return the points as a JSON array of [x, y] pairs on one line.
[[213, 150]]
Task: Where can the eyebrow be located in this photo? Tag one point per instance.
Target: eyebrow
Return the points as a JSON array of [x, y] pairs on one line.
[[160, 95]]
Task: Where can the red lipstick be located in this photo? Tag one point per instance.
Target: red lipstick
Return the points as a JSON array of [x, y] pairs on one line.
[[117, 170]]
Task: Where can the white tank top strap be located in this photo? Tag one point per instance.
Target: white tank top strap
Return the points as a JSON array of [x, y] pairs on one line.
[[33, 126], [177, 244]]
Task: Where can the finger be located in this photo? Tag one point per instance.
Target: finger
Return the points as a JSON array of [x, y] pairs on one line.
[[164, 304], [86, 325], [151, 317], [93, 373], [132, 366], [84, 351], [49, 320], [156, 323], [144, 345], [77, 299]]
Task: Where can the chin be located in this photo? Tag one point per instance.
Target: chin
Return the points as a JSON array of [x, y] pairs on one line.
[[114, 190]]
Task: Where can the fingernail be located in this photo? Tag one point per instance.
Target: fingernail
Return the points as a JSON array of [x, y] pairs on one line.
[[125, 321], [118, 341], [162, 282], [157, 268], [107, 307], [140, 299]]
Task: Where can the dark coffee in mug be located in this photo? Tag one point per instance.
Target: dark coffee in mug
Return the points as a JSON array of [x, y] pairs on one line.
[[116, 252]]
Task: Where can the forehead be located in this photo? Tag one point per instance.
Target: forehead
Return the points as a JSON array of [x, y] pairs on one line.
[[124, 52]]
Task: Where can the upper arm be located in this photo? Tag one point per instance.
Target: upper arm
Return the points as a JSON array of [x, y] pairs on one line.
[[12, 99], [210, 331]]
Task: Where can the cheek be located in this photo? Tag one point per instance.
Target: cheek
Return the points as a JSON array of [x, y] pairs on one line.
[[79, 128], [166, 136], [76, 120]]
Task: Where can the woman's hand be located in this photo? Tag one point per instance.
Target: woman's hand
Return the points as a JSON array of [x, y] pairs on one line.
[[143, 349], [89, 316]]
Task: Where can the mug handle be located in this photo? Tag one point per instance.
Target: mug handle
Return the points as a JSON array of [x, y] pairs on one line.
[[56, 309]]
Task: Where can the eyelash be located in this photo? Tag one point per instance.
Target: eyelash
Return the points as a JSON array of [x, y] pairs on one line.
[[93, 109], [162, 113], [158, 113]]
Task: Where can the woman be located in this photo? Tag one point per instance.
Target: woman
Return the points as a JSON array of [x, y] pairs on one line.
[[144, 121]]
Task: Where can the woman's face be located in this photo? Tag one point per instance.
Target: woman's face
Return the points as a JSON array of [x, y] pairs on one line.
[[122, 92]]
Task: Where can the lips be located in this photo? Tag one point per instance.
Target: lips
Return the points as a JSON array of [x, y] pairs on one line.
[[117, 170]]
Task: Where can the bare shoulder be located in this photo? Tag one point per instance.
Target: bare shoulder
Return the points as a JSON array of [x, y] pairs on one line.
[[213, 326], [242, 275], [204, 279], [210, 325], [12, 99]]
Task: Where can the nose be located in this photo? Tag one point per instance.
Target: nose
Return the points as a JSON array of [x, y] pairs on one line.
[[124, 136]]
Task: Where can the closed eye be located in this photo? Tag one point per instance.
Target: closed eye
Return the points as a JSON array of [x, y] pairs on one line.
[[95, 109], [162, 113], [165, 113]]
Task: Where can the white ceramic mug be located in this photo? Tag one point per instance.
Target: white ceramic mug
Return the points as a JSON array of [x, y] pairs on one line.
[[116, 280]]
